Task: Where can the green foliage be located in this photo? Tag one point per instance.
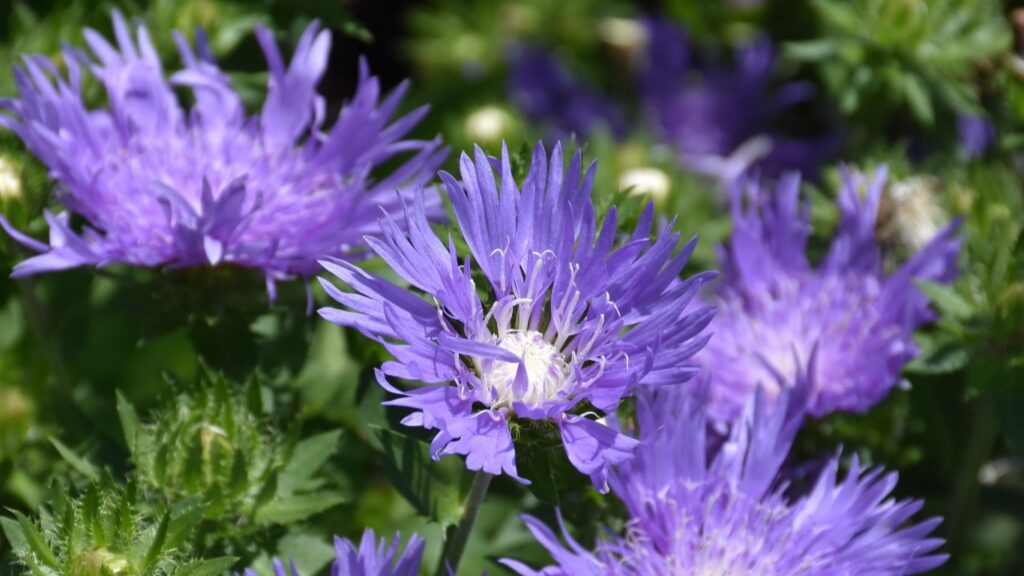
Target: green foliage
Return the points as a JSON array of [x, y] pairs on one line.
[[169, 478], [435, 489], [109, 530], [216, 442], [878, 57]]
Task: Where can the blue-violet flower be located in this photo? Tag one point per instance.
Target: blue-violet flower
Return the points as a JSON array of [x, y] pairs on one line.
[[371, 558], [776, 307], [157, 184], [704, 506], [563, 327]]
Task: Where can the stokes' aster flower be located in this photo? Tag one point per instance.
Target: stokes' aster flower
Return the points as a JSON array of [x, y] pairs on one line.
[[776, 308], [372, 558], [720, 121], [728, 513], [570, 324], [549, 94], [158, 184]]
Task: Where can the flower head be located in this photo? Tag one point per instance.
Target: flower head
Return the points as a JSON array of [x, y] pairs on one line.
[[551, 318], [371, 558], [727, 511], [158, 184], [721, 120], [547, 93], [976, 134], [777, 308]]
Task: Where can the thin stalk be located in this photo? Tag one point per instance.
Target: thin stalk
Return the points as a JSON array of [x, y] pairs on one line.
[[981, 439], [458, 535], [40, 325]]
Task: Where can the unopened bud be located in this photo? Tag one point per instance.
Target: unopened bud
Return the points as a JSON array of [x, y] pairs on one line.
[[487, 125], [646, 181]]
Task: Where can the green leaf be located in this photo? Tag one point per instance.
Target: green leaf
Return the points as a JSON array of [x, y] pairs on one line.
[[307, 458], [15, 535], [939, 354], [310, 552], [185, 517], [211, 567], [34, 541], [129, 421], [157, 544], [81, 465], [289, 509], [918, 98], [810, 50], [434, 488], [949, 303]]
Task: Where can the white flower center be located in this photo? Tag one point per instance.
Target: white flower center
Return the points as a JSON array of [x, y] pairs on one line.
[[546, 371]]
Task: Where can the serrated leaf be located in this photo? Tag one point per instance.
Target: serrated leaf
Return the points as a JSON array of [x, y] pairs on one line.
[[156, 546], [129, 421], [307, 458], [185, 516], [295, 507], [434, 488], [211, 567], [15, 535], [946, 299], [34, 541], [267, 492], [81, 465]]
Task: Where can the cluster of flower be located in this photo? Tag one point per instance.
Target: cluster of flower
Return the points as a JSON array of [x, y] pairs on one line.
[[718, 119], [553, 316]]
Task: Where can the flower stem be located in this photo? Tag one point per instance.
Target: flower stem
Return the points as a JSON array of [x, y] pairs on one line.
[[40, 325], [458, 535], [981, 439]]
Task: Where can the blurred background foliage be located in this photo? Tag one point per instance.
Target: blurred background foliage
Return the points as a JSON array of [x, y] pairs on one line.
[[159, 422]]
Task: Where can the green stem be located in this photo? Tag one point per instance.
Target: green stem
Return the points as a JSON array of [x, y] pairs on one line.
[[37, 319], [980, 441], [458, 535]]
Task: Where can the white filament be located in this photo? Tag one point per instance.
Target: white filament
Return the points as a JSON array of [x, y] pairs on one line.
[[547, 372]]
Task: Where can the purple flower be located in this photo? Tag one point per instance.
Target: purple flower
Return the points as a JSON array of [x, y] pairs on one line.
[[157, 184], [547, 320], [726, 510], [721, 121], [547, 93], [976, 134], [372, 558], [776, 308]]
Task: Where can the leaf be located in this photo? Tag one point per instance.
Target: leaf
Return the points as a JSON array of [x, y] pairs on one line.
[[157, 545], [211, 567], [810, 50], [295, 507], [918, 98], [129, 421], [434, 488], [34, 541], [939, 354], [185, 516], [310, 552], [946, 299], [307, 458], [15, 535], [81, 465]]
